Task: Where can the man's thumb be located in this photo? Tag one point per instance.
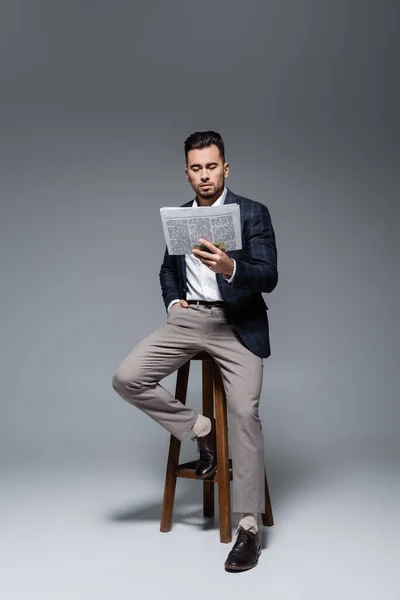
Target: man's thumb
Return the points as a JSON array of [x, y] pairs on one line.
[[184, 304]]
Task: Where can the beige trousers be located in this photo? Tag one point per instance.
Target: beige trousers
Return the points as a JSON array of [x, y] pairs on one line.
[[186, 332]]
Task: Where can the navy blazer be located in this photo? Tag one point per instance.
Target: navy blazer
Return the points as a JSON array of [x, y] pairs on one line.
[[256, 272]]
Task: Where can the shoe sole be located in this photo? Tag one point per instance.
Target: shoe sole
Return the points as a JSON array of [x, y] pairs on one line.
[[233, 568], [209, 475]]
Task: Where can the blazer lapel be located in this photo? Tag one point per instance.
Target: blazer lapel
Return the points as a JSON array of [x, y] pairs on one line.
[[182, 267], [180, 258], [230, 197]]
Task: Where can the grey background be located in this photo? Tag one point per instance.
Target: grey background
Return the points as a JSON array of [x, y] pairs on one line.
[[96, 101]]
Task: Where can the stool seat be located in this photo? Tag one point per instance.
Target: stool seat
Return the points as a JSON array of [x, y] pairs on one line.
[[213, 399]]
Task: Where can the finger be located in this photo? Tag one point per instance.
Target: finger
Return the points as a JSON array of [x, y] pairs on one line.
[[184, 304], [209, 263], [208, 259], [209, 245], [203, 255]]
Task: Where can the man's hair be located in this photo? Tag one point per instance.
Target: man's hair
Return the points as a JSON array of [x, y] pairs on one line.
[[204, 139]]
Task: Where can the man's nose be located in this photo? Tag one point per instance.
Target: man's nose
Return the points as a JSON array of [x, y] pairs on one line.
[[204, 176]]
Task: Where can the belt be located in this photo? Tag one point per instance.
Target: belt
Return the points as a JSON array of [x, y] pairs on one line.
[[206, 303]]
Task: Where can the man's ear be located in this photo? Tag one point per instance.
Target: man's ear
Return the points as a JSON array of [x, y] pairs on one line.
[[226, 169], [186, 173]]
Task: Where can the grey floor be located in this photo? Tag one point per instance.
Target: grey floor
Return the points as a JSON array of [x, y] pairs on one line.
[[91, 531]]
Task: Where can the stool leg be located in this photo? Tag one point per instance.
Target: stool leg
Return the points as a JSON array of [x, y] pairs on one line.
[[208, 411], [173, 455], [208, 498], [224, 493], [267, 517]]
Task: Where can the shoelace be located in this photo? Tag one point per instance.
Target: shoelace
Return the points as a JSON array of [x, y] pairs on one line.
[[204, 454], [244, 536]]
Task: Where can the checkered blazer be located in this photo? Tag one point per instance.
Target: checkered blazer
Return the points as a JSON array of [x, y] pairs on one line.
[[256, 272]]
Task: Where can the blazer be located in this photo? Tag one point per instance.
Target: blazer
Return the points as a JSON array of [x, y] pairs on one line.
[[256, 272]]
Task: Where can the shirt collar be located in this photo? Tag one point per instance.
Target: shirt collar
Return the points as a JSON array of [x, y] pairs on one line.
[[218, 202]]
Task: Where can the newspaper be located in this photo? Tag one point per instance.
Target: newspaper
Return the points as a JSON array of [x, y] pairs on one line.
[[183, 227]]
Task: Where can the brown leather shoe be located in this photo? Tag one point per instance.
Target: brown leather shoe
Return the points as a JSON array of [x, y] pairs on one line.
[[245, 552], [207, 463]]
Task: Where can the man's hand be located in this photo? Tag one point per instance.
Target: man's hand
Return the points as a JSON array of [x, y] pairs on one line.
[[219, 262], [180, 303]]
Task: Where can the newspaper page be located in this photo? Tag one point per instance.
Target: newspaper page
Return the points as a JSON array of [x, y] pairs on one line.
[[183, 227]]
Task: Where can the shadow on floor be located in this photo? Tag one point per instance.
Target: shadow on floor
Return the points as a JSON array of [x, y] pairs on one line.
[[286, 474], [187, 510]]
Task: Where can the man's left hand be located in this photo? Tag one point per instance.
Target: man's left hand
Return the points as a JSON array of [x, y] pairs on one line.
[[219, 262]]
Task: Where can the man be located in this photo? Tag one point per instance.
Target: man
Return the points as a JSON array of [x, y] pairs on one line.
[[214, 303]]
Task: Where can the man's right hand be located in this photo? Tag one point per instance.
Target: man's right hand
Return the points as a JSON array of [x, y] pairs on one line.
[[180, 303]]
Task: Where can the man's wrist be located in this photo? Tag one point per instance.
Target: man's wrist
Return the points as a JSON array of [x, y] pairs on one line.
[[229, 277], [229, 273], [170, 305]]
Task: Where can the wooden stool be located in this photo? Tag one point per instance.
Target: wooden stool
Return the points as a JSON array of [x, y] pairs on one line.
[[213, 392]]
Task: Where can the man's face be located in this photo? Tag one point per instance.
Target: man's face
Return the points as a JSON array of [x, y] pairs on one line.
[[206, 172]]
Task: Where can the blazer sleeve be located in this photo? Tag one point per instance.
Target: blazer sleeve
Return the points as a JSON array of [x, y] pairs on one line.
[[258, 271], [169, 279]]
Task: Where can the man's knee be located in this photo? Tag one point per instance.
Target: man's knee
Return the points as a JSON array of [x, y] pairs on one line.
[[244, 412], [134, 383], [118, 383]]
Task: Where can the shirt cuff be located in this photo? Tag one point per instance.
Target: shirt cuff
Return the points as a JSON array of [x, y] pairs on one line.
[[173, 302], [233, 274]]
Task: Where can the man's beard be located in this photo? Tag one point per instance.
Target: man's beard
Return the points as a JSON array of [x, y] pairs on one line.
[[206, 194]]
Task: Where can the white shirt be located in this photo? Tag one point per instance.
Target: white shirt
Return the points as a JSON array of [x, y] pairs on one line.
[[201, 281]]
